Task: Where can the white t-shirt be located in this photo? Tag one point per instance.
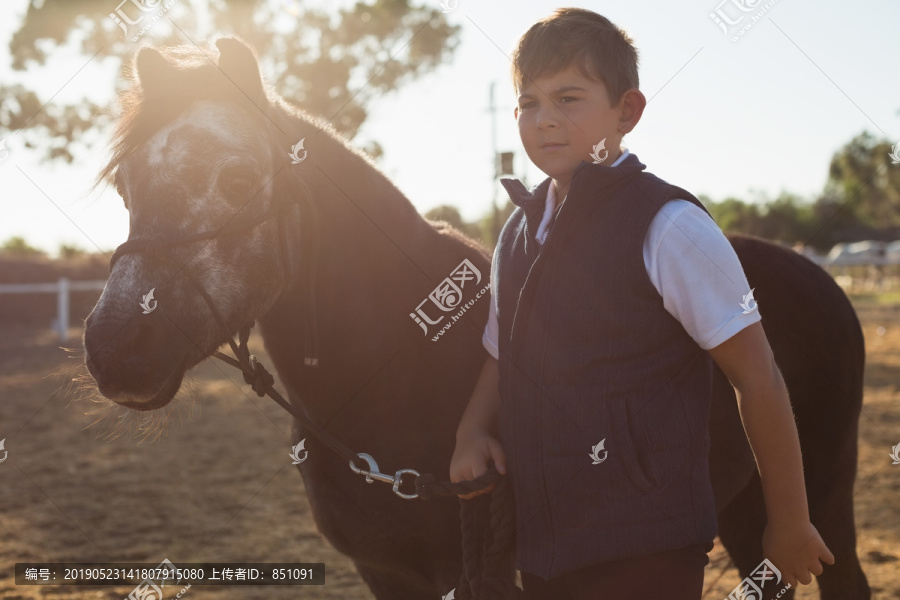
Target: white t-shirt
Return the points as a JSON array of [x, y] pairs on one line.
[[690, 263]]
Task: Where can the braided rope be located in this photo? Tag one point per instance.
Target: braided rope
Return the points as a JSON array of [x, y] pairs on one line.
[[488, 523], [488, 520]]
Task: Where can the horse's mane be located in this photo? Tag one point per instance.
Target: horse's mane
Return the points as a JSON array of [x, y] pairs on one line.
[[140, 119], [166, 81], [194, 75], [445, 228]]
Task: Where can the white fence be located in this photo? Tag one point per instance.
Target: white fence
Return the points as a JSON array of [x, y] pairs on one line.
[[861, 266], [61, 288]]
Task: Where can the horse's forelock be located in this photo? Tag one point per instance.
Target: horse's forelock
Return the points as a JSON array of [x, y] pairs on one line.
[[152, 100]]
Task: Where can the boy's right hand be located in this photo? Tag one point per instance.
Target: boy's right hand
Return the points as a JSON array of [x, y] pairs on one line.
[[471, 456]]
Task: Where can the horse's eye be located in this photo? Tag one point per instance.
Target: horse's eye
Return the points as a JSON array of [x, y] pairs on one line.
[[240, 185]]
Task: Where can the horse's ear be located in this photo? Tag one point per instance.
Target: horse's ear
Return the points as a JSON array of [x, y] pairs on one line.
[[237, 60], [153, 69]]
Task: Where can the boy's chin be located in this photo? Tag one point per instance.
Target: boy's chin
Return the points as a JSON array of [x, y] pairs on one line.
[[559, 172]]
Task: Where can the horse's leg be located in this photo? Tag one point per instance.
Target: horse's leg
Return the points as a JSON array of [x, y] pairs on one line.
[[830, 471], [833, 517]]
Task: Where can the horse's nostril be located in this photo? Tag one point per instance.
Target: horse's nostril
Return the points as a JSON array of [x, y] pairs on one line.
[[118, 347], [134, 336]]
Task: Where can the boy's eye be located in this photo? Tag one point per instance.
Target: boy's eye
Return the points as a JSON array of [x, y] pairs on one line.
[[525, 105], [568, 99]]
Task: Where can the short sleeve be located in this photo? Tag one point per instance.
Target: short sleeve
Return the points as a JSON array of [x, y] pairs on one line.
[[696, 271], [492, 330]]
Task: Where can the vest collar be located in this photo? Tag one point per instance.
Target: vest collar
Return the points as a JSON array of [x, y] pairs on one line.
[[532, 203]]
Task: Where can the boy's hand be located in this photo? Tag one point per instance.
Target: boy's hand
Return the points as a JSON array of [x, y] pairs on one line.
[[470, 459], [796, 549]]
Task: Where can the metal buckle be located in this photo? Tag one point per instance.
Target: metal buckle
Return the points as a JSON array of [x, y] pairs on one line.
[[373, 474]]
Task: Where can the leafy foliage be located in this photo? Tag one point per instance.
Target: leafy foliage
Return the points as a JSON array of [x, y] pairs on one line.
[[331, 65], [861, 175], [17, 246], [860, 200]]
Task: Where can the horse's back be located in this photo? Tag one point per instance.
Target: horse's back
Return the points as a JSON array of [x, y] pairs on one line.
[[810, 323]]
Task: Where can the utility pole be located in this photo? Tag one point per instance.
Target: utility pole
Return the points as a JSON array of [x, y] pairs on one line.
[[495, 221]]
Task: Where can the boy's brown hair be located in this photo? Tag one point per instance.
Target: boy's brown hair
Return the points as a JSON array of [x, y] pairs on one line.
[[581, 38]]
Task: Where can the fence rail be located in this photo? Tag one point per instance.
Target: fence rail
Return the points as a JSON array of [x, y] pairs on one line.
[[61, 288], [871, 275]]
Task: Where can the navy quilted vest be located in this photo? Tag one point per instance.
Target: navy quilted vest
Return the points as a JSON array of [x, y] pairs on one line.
[[588, 354]]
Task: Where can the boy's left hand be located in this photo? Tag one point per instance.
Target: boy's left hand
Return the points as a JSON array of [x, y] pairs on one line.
[[796, 549]]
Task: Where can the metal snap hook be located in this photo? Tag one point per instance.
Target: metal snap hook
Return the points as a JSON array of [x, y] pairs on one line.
[[398, 479]]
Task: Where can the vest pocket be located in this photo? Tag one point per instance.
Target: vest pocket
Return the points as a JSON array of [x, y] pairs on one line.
[[632, 443]]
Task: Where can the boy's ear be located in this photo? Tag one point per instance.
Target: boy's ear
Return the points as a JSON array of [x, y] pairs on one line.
[[633, 103], [516, 113]]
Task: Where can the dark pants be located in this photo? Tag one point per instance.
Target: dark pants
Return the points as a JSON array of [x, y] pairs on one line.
[[673, 575]]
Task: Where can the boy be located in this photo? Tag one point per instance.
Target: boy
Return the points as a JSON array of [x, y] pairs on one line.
[[613, 292]]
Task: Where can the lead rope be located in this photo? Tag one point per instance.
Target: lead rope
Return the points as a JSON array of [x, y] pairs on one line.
[[487, 521]]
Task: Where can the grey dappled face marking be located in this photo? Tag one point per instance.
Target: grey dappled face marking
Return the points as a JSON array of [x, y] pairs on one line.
[[179, 191], [181, 182]]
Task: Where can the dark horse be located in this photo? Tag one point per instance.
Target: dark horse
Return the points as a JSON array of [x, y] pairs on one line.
[[333, 261]]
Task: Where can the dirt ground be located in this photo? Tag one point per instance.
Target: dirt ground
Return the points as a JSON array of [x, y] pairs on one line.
[[218, 485]]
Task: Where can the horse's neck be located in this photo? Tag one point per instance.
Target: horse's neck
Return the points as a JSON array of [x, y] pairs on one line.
[[369, 237], [367, 228]]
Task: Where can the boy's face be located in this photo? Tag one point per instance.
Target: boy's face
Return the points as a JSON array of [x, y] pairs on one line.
[[563, 116]]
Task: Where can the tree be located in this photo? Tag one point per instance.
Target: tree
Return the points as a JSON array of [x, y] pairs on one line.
[[17, 246], [732, 214], [331, 64], [787, 218], [71, 251], [863, 180]]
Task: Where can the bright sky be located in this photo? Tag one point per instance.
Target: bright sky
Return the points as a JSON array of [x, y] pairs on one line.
[[745, 118]]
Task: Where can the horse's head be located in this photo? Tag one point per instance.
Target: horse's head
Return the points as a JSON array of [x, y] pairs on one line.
[[201, 162]]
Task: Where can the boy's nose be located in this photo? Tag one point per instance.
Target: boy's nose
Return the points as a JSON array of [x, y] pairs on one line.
[[548, 118]]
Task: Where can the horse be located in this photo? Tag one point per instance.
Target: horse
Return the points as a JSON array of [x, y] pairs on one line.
[[244, 208]]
